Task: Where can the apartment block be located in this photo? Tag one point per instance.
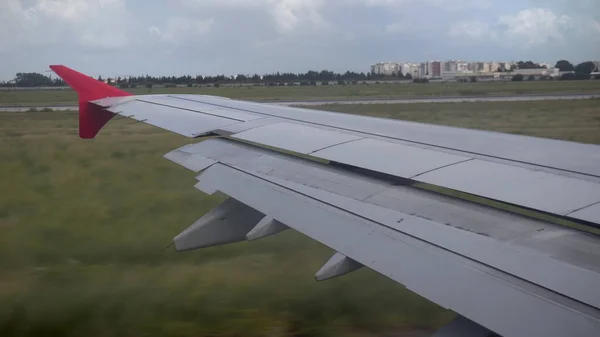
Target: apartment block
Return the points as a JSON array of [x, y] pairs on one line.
[[385, 68]]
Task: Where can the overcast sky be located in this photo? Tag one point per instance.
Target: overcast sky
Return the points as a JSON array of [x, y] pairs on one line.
[[134, 37]]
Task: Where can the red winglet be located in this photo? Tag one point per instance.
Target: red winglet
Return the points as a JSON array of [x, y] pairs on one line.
[[91, 117]]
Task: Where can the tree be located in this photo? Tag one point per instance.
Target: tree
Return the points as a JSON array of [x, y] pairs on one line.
[[564, 65], [574, 77], [585, 68], [528, 65], [568, 77], [34, 80], [310, 77]]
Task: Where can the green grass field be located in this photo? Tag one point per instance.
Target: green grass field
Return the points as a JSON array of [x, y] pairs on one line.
[[62, 97], [83, 224]]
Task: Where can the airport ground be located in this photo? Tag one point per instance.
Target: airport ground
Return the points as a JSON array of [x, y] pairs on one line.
[[83, 224], [334, 92]]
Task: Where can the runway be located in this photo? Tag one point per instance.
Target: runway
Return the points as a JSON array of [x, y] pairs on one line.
[[455, 99], [446, 99]]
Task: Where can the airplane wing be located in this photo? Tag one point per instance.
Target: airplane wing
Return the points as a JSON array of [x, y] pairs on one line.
[[370, 189]]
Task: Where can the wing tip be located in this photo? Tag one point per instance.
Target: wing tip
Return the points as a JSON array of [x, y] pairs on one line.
[[91, 117]]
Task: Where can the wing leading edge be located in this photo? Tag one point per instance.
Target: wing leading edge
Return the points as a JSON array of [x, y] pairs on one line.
[[500, 271]]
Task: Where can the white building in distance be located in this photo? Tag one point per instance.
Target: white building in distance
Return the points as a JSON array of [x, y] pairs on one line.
[[385, 68], [456, 69], [411, 69], [394, 68], [453, 66]]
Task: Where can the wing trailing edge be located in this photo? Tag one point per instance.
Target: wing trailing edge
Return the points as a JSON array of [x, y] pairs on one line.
[[463, 327]]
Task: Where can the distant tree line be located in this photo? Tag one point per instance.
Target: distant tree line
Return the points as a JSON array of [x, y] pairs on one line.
[[578, 72], [33, 80], [526, 65], [308, 78]]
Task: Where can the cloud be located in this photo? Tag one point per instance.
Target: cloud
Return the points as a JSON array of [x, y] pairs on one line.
[[178, 28], [286, 15], [16, 24], [529, 28], [75, 10], [87, 23], [247, 36], [445, 5], [594, 27], [536, 26], [474, 30]]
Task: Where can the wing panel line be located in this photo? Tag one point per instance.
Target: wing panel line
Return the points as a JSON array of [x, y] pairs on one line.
[[332, 145], [196, 111], [441, 167], [584, 207]]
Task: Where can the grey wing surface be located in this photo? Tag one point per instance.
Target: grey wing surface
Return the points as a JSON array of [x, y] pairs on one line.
[[354, 183]]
